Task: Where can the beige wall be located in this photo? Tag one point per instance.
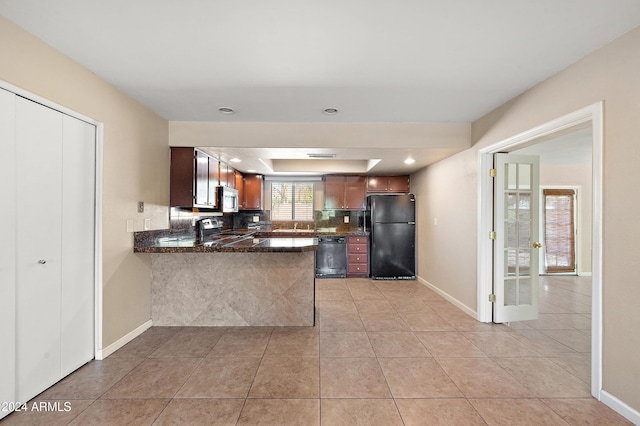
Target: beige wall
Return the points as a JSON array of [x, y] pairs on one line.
[[136, 165], [447, 254]]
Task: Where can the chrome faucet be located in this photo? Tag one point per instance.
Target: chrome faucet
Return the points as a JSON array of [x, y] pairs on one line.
[[295, 225]]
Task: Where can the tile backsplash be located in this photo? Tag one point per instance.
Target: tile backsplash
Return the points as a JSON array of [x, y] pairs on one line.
[[182, 220]]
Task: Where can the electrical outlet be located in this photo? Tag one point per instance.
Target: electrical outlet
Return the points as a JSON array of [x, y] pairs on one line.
[[147, 224], [129, 225], [346, 219], [256, 219]]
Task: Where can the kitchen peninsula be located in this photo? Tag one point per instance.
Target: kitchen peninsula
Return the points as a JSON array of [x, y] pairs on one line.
[[241, 279]]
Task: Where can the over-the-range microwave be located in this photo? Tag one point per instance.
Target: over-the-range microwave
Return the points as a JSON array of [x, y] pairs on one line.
[[227, 199]]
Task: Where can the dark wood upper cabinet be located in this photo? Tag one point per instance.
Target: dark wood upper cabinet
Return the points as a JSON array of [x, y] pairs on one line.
[[190, 184], [252, 196], [202, 179], [333, 192], [395, 184], [239, 185], [344, 192], [223, 173], [231, 177], [214, 178], [354, 192]]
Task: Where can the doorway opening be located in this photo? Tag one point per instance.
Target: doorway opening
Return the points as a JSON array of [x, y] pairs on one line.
[[590, 118]]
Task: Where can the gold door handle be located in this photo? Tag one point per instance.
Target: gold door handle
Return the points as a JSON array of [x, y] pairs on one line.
[[537, 245]]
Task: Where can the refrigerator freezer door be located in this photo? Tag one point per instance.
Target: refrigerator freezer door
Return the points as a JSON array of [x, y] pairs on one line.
[[392, 208], [393, 251]]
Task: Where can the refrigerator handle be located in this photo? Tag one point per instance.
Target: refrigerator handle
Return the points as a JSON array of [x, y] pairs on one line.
[[412, 223]]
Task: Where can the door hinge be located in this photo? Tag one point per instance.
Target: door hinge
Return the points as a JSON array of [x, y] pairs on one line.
[[492, 235], [492, 298], [493, 172]]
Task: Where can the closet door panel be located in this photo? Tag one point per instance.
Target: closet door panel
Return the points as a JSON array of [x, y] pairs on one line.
[[38, 249], [7, 248], [78, 259]]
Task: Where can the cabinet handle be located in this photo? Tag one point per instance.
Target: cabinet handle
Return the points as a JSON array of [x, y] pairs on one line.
[[42, 261]]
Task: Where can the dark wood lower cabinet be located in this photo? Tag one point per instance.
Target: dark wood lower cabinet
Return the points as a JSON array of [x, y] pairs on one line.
[[357, 256]]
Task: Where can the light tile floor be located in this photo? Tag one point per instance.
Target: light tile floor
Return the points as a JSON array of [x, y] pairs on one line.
[[383, 353]]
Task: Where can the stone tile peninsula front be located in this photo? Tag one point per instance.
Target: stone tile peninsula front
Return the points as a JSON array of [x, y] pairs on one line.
[[234, 288]]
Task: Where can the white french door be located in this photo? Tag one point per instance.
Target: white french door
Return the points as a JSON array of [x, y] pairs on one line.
[[516, 227]]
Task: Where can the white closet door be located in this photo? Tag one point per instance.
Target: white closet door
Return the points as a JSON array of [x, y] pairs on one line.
[[78, 202], [7, 248], [39, 204]]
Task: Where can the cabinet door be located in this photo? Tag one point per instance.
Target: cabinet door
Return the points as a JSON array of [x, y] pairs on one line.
[[222, 173], [376, 183], [398, 184], [201, 178], [254, 192], [231, 177], [334, 192], [39, 177], [8, 218], [354, 192], [214, 170], [239, 185], [181, 182]]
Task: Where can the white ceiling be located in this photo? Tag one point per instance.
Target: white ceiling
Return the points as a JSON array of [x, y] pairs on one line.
[[573, 147], [429, 61]]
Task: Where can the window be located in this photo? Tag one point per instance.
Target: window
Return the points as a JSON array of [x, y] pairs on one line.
[[292, 201], [559, 230]]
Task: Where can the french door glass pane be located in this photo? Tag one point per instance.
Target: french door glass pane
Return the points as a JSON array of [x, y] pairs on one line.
[[517, 228]]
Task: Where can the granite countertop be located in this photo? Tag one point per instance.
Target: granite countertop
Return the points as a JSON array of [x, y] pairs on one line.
[[238, 242]]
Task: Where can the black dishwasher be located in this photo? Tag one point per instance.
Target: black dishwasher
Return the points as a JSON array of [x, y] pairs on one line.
[[331, 257]]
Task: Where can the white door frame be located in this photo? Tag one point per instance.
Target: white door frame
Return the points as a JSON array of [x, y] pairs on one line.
[[594, 115], [98, 194]]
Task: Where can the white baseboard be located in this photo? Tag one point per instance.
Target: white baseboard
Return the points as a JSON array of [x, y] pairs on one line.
[[620, 407], [102, 354], [450, 298]]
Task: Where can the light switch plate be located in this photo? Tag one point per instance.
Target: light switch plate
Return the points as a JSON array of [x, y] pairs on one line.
[[256, 218], [140, 206], [129, 225], [147, 224]]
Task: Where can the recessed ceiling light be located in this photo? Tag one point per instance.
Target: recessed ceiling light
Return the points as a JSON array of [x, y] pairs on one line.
[[235, 160], [409, 161], [330, 111], [226, 110]]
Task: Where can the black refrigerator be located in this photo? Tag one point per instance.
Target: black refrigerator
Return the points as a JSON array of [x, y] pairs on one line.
[[391, 219]]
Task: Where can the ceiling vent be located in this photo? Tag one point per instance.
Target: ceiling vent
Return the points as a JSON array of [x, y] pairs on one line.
[[312, 155]]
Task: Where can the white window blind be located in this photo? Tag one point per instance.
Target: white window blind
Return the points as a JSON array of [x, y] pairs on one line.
[[559, 230], [292, 201]]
